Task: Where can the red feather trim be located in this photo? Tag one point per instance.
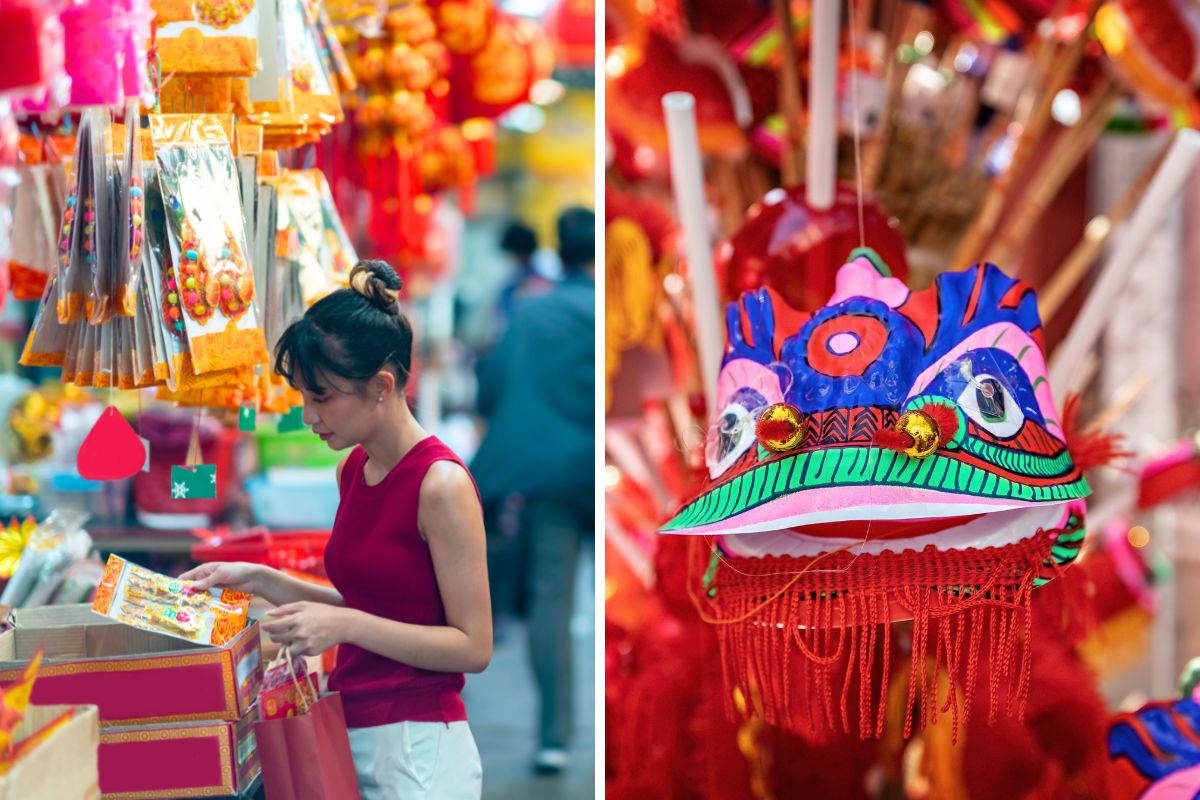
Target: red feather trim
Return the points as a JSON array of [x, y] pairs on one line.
[[1089, 448], [944, 418], [893, 439], [774, 429]]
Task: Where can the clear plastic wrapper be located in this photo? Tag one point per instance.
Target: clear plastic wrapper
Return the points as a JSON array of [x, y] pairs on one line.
[[213, 283], [87, 226], [154, 602], [58, 542], [46, 345], [165, 318]]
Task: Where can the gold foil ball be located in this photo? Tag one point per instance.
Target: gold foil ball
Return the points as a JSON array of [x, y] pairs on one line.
[[781, 427], [924, 432]]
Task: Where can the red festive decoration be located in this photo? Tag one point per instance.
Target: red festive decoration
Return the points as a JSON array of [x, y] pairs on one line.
[[499, 75], [634, 101], [111, 450], [795, 250], [572, 26]]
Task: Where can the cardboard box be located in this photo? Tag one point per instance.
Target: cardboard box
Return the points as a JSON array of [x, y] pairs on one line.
[[135, 677], [64, 765], [183, 759]]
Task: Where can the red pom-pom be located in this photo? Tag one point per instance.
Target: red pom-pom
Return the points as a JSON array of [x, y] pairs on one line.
[[774, 429], [1089, 448], [945, 418], [893, 439]]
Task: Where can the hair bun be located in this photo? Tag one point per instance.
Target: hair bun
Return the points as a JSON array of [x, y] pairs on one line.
[[379, 283]]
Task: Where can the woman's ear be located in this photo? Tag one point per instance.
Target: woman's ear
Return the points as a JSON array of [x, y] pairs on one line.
[[383, 383]]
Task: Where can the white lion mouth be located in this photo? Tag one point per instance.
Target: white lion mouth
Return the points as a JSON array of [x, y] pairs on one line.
[[994, 529]]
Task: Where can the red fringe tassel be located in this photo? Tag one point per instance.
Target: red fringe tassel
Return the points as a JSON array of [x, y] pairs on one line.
[[809, 637]]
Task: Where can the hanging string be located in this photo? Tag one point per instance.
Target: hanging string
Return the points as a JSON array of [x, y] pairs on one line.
[[854, 112]]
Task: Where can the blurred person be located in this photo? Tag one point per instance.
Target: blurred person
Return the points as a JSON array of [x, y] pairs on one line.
[[520, 243], [537, 393], [409, 609]]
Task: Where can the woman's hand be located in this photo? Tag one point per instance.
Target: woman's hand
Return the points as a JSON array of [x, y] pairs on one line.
[[230, 574], [309, 629]]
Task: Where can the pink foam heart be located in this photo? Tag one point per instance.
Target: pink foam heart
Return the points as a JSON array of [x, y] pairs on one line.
[[112, 450]]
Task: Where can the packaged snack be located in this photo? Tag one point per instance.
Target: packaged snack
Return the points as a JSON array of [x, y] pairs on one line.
[[154, 602], [46, 345], [211, 284]]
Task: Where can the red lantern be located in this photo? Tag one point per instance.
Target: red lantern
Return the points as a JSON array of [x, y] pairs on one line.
[[572, 26], [499, 76], [796, 250]]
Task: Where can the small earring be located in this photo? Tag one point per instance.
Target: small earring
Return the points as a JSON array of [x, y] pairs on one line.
[[381, 398]]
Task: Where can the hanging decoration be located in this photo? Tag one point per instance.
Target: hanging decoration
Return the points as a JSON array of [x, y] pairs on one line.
[[804, 554]]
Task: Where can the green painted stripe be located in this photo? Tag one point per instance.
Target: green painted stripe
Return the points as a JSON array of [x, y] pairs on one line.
[[743, 497], [763, 487], [798, 472], [977, 481], [829, 467], [922, 476], [911, 466], [939, 472], [785, 469], [965, 471], [727, 498], [756, 491], [886, 459], [1024, 350], [1004, 487], [989, 485], [815, 460], [950, 482], [1064, 555], [1072, 536]]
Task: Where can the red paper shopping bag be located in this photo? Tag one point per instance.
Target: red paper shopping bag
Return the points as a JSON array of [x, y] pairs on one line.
[[307, 757]]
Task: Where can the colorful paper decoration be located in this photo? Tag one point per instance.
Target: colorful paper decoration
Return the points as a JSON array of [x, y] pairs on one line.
[[14, 700], [247, 418], [112, 450], [812, 548], [194, 483]]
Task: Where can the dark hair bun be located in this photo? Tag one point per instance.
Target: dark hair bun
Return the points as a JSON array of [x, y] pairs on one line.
[[379, 283]]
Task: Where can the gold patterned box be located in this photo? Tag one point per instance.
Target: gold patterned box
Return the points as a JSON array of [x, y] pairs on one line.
[[136, 677], [183, 759]]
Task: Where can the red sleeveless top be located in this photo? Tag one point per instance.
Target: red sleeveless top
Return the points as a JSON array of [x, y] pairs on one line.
[[379, 563]]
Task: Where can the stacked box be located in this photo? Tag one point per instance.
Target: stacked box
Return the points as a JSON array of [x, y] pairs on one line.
[[176, 718], [63, 766]]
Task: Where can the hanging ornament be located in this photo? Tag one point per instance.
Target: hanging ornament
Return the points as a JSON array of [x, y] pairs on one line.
[[796, 250], [111, 450]]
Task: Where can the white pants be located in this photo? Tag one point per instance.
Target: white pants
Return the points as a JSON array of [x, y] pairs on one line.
[[414, 760]]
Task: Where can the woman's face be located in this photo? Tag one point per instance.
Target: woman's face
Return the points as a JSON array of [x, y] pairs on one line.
[[341, 416]]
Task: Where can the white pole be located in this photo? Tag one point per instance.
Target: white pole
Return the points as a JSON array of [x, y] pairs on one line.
[[1102, 300], [821, 163], [687, 180]]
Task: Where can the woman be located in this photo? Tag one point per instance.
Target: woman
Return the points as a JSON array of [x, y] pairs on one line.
[[409, 606]]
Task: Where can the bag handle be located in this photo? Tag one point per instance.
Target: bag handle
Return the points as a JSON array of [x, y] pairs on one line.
[[301, 694]]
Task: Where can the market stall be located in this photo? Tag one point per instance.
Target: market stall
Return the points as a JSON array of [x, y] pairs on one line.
[[179, 182]]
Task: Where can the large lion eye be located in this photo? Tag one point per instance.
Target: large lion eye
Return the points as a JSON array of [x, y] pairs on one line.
[[990, 404], [732, 433]]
